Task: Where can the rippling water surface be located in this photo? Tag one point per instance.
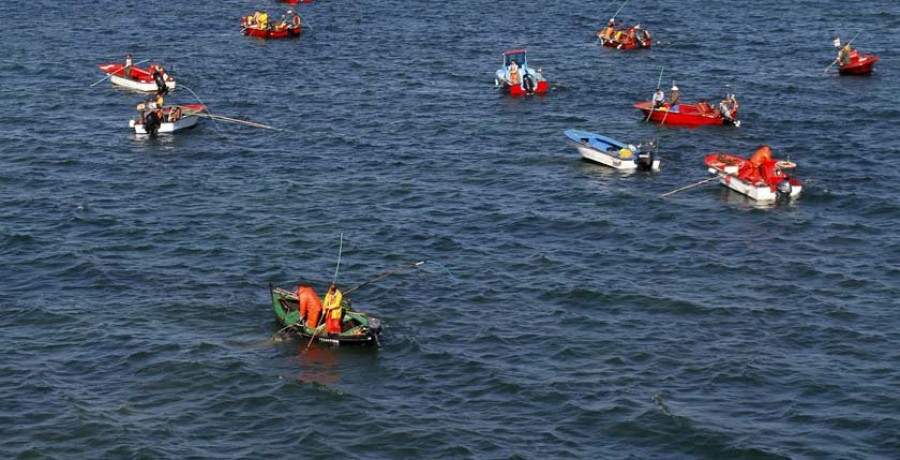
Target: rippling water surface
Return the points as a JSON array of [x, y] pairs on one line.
[[567, 312]]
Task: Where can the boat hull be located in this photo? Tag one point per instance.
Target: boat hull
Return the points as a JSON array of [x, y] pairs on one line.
[[627, 45], [729, 168], [188, 120], [358, 329], [863, 65], [605, 150], [289, 31], [683, 115]]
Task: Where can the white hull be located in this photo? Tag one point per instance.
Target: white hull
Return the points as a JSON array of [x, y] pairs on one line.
[[610, 160], [137, 85], [167, 128], [758, 193]]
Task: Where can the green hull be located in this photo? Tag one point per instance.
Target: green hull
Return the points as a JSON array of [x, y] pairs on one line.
[[357, 328]]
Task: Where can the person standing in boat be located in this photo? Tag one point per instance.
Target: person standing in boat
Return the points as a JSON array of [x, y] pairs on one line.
[[674, 95], [659, 98], [513, 73], [844, 54], [333, 311], [129, 63]]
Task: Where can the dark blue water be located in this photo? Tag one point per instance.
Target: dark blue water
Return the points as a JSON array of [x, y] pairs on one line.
[[568, 313]]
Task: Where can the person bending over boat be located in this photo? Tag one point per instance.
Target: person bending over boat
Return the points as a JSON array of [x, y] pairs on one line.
[[333, 311], [159, 77], [728, 108], [659, 98], [152, 121], [309, 306], [643, 36]]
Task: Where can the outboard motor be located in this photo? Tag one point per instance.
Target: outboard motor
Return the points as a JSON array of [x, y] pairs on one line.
[[785, 188], [645, 160], [528, 83]]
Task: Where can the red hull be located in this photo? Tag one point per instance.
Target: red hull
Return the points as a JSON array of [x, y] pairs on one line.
[[861, 65], [542, 87], [687, 115], [627, 45], [289, 31]]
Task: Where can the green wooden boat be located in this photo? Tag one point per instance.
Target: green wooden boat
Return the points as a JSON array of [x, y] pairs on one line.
[[357, 328]]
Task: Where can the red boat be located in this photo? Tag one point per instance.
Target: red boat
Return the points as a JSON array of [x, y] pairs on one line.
[[760, 178], [688, 114], [627, 39], [281, 29], [859, 64]]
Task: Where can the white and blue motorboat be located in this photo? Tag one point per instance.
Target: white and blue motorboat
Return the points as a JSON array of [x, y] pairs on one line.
[[613, 153], [517, 78]]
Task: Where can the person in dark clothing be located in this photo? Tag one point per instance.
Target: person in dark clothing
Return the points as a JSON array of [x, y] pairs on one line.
[[159, 76]]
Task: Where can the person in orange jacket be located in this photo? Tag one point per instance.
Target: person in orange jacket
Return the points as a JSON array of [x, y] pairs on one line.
[[333, 300], [310, 306]]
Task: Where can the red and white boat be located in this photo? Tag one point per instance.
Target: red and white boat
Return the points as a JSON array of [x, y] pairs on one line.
[[139, 78], [286, 27], [187, 119], [626, 39], [860, 64], [760, 178], [699, 114]]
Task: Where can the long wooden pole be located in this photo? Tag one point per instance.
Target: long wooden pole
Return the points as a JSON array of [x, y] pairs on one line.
[[235, 120], [658, 84], [708, 179]]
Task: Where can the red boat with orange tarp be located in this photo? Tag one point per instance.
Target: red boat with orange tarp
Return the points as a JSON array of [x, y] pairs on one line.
[[760, 178]]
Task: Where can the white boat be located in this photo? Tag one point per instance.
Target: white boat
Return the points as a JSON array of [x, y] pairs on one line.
[[761, 178], [187, 120], [141, 79], [612, 153]]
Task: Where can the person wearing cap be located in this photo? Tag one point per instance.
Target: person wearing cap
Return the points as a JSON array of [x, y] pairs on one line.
[[333, 310], [674, 95], [659, 98], [844, 54], [129, 62], [159, 77]]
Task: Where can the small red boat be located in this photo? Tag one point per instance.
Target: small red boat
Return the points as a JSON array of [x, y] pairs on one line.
[[286, 27], [860, 64], [760, 178], [688, 114], [626, 39]]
